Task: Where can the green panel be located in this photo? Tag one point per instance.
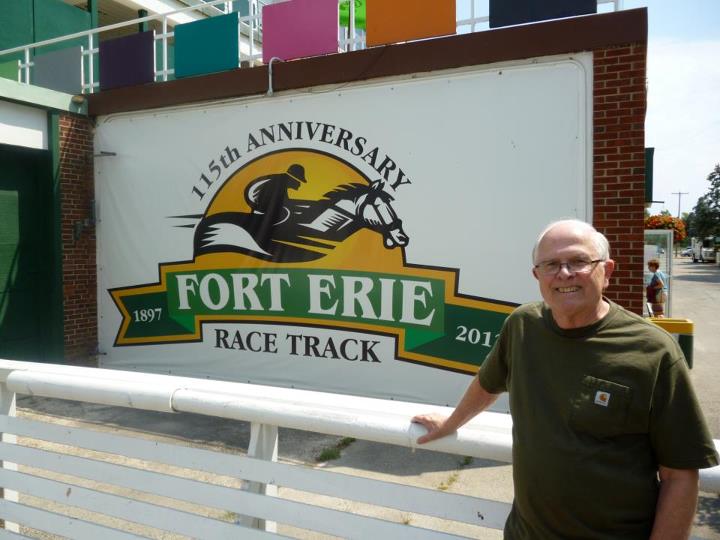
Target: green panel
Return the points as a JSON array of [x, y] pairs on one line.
[[17, 27], [360, 12], [206, 46], [54, 18], [26, 261], [9, 70], [649, 155]]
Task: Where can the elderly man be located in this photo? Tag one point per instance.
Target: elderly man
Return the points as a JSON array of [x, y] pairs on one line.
[[608, 436]]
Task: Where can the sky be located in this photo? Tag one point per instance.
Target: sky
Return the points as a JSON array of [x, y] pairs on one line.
[[683, 116]]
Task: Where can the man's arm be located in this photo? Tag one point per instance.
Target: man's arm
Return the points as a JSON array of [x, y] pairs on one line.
[[676, 504], [475, 400]]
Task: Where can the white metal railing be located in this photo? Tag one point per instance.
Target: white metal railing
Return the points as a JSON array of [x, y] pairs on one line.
[[250, 31], [67, 480], [249, 48]]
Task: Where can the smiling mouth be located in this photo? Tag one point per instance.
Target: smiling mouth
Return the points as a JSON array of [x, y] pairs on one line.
[[567, 289]]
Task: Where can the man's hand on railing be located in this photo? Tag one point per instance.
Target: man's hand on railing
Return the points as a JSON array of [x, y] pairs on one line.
[[435, 423]]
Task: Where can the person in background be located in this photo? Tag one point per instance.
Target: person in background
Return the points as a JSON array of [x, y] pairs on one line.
[[608, 435], [657, 289]]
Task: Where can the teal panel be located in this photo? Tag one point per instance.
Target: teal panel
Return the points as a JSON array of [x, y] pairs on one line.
[[206, 46], [54, 18], [16, 27], [242, 7]]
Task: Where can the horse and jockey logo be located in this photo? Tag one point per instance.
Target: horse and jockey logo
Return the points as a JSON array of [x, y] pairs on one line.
[[300, 238], [281, 226]]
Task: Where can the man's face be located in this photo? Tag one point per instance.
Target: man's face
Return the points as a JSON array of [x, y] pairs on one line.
[[572, 296]]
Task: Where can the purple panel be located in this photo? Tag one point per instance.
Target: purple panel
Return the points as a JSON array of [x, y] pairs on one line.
[[127, 61], [300, 28]]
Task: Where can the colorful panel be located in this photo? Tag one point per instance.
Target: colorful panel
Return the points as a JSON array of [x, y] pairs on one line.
[[360, 13], [206, 46], [405, 20], [59, 70], [9, 70], [127, 61], [507, 12], [300, 28]]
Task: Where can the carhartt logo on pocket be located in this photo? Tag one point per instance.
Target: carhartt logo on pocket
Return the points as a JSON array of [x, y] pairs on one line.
[[602, 398]]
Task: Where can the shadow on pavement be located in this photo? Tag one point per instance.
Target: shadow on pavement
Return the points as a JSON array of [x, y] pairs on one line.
[[708, 513]]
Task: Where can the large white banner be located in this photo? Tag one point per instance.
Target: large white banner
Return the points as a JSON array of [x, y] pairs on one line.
[[366, 239]]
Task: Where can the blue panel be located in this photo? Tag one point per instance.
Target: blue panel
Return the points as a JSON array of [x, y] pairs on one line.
[[127, 61], [206, 46], [508, 12]]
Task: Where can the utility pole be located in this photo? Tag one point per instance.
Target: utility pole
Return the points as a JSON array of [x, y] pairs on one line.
[[680, 194]]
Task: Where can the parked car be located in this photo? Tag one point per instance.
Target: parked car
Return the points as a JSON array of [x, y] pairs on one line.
[[687, 252]]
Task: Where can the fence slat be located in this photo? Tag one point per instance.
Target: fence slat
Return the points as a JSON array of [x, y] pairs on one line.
[[7, 535], [300, 515], [443, 505], [160, 517], [76, 529]]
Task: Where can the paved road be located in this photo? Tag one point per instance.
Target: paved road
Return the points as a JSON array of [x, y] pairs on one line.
[[696, 296]]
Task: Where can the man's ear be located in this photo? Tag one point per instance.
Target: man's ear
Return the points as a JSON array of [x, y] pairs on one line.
[[609, 269], [534, 273]]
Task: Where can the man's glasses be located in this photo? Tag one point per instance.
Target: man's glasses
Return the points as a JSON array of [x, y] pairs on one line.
[[574, 266]]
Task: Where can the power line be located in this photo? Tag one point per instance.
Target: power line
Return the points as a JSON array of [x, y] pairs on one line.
[[680, 194]]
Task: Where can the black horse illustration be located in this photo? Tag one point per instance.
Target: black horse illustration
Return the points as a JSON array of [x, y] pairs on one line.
[[286, 230]]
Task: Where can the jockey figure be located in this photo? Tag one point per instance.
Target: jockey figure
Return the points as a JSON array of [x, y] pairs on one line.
[[268, 195]]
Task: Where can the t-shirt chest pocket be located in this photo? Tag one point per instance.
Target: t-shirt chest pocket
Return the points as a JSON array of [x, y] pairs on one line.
[[600, 407]]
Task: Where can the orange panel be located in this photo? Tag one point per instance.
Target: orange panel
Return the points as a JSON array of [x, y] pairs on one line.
[[390, 21]]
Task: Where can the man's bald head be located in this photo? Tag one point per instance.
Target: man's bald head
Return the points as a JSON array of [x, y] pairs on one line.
[[577, 226]]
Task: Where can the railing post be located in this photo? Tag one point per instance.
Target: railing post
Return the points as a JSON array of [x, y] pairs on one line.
[[7, 408], [27, 65], [263, 445], [91, 67], [165, 48]]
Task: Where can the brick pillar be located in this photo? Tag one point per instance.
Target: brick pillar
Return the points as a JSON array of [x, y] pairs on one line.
[[77, 194], [619, 106]]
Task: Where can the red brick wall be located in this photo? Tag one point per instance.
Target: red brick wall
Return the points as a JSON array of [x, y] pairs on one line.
[[619, 106], [77, 193]]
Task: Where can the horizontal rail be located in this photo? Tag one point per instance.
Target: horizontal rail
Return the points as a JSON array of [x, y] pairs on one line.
[[144, 513], [74, 528], [488, 436]]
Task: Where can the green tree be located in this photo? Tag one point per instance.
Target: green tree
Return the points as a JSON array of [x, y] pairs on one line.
[[704, 220]]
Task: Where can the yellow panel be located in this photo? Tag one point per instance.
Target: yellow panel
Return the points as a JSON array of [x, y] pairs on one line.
[[675, 326]]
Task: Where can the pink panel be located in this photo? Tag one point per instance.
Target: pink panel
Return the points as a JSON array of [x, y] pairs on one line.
[[300, 28]]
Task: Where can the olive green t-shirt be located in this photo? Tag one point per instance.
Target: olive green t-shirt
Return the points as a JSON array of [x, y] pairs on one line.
[[595, 411]]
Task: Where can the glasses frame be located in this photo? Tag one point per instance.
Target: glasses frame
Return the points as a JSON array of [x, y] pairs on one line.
[[591, 266]]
